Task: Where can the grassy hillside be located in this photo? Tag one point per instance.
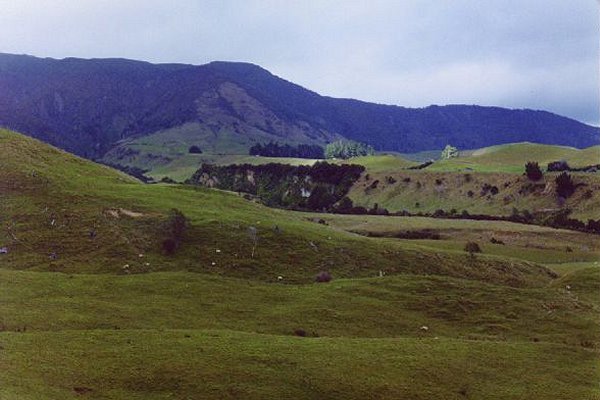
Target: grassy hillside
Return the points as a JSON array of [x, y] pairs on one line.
[[183, 167], [381, 163], [165, 153], [466, 182], [56, 200], [211, 321], [511, 158]]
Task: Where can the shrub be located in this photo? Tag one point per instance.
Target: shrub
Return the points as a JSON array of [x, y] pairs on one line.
[[472, 247], [564, 185], [533, 171], [439, 213], [169, 246], [194, 150], [300, 332], [449, 152], [593, 226], [323, 277], [559, 166], [174, 230], [421, 166]]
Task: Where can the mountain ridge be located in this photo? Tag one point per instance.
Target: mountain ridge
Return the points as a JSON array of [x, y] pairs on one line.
[[86, 106]]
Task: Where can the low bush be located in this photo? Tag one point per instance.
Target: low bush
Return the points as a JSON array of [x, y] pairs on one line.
[[173, 229], [533, 171], [472, 247], [565, 187], [194, 150], [323, 277]]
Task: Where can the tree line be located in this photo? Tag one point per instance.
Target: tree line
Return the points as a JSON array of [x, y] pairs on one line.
[[273, 149]]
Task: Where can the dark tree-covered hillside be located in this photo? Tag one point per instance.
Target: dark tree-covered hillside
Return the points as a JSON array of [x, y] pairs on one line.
[[87, 106]]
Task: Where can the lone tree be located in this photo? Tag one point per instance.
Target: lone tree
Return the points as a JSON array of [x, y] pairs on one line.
[[472, 248], [564, 185], [449, 152], [194, 150], [174, 230], [533, 171]]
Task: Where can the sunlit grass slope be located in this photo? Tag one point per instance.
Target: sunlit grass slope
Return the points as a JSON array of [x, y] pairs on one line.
[[460, 183], [512, 157], [54, 201]]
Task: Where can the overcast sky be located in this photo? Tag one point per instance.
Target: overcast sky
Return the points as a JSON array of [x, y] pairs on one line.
[[540, 54]]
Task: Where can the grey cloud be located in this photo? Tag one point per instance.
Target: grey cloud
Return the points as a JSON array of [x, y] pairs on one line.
[[540, 54]]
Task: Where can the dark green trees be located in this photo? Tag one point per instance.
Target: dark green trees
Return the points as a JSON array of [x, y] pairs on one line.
[[533, 171]]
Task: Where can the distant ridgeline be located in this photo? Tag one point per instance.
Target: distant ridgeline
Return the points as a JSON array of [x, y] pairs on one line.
[[89, 107], [320, 187]]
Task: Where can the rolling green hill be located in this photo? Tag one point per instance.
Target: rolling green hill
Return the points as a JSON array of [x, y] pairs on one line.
[[511, 158], [54, 201], [466, 182], [399, 319]]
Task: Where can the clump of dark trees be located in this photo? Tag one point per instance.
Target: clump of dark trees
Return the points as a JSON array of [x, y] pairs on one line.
[[558, 219], [562, 165], [320, 187], [534, 172], [194, 149], [272, 149], [565, 186]]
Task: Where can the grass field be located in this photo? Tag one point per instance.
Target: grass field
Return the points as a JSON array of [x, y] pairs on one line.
[[184, 167], [212, 321], [511, 158], [491, 193], [145, 364], [527, 242], [165, 153]]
